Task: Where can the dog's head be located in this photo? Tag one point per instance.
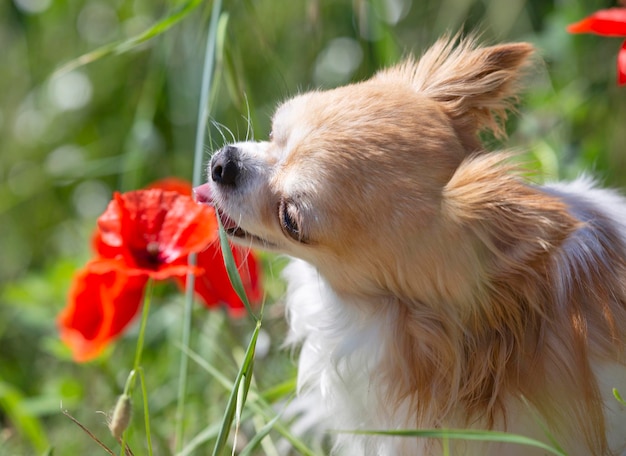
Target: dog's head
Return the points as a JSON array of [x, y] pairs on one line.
[[352, 179]]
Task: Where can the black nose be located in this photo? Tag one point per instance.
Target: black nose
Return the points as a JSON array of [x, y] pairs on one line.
[[225, 166]]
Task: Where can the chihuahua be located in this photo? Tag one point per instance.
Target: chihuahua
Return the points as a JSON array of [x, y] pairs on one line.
[[432, 286]]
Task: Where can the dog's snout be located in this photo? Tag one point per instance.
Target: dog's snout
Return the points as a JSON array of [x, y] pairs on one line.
[[225, 166]]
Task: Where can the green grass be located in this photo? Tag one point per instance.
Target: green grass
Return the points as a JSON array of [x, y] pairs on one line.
[[166, 79]]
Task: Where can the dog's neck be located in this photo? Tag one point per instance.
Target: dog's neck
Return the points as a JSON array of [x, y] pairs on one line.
[[437, 273]]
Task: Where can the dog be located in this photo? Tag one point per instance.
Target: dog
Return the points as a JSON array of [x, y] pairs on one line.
[[434, 287]]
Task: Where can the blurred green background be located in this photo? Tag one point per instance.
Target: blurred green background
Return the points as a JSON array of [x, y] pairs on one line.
[[122, 121]]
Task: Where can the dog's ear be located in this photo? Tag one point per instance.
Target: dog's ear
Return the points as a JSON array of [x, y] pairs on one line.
[[475, 85]]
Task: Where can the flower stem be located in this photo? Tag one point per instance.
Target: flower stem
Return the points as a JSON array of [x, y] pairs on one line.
[[146, 411], [142, 328], [184, 360], [132, 377]]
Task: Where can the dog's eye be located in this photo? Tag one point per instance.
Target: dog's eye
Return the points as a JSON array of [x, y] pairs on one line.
[[290, 221]]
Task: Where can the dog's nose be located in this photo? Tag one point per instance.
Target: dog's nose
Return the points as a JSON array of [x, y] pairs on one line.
[[225, 166]]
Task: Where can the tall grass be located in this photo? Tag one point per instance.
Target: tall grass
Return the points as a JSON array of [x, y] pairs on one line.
[[203, 113]]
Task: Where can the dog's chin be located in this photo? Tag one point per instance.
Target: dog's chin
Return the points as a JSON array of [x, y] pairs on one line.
[[242, 237]]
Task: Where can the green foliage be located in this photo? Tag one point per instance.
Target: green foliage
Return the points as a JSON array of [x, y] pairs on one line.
[[15, 406], [468, 434], [124, 110]]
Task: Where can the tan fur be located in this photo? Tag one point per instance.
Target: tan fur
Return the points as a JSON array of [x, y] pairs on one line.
[[502, 297], [476, 86]]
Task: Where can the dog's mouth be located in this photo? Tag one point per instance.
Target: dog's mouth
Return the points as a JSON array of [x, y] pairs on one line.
[[204, 195], [231, 227]]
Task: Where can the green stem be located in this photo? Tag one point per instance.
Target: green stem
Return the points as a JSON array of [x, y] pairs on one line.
[[130, 381], [184, 360], [207, 79], [142, 328], [205, 90], [146, 410]]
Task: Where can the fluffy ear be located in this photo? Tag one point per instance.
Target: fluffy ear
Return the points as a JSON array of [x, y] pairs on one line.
[[476, 85]]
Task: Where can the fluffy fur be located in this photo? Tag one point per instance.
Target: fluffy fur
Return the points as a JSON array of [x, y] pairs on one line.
[[435, 288]]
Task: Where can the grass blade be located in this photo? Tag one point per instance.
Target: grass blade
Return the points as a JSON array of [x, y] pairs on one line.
[[204, 436], [239, 410], [203, 109], [146, 410], [244, 372], [121, 47], [259, 406], [233, 273], [464, 434], [618, 397], [215, 42], [88, 432], [260, 435], [12, 404]]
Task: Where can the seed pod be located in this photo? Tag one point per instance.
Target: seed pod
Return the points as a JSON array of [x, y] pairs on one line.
[[121, 416]]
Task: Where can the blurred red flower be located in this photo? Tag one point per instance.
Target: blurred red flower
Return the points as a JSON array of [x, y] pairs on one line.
[[607, 22], [212, 283], [148, 234], [100, 306], [152, 231]]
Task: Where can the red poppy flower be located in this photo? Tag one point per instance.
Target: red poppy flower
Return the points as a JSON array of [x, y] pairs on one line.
[[172, 184], [100, 306], [148, 234], [212, 284], [608, 22], [152, 231]]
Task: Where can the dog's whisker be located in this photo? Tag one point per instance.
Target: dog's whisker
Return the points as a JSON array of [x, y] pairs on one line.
[[220, 129], [248, 119]]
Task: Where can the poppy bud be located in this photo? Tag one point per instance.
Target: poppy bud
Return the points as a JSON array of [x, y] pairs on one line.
[[121, 416]]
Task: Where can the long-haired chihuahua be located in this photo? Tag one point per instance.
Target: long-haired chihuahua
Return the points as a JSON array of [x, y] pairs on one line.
[[432, 287]]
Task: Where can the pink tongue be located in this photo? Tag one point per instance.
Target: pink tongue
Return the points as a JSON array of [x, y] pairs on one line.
[[202, 194]]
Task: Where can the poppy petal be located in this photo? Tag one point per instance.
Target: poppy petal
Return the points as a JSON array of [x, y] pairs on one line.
[[606, 22], [102, 248], [188, 227], [134, 219], [154, 228], [168, 271], [99, 307], [101, 265], [184, 188], [621, 65], [110, 222], [214, 287]]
